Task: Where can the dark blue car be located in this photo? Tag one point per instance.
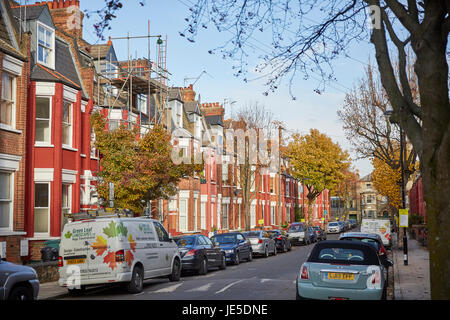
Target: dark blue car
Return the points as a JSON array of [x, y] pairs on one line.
[[312, 234], [235, 246]]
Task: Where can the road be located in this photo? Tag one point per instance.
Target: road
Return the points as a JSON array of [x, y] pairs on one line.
[[271, 278]]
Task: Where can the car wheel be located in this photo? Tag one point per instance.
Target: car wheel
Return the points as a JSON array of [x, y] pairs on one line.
[[21, 293], [236, 259], [275, 250], [203, 267], [284, 247], [384, 294], [77, 292], [223, 265], [266, 252], [289, 247], [176, 271], [136, 284], [250, 256]]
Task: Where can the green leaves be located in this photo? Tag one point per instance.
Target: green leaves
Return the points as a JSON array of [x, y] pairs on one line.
[[114, 230]]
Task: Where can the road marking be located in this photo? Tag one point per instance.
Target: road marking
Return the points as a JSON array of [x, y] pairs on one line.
[[202, 288], [265, 280], [229, 286], [169, 289]]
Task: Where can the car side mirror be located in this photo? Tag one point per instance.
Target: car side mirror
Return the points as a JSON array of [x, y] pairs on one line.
[[389, 263]]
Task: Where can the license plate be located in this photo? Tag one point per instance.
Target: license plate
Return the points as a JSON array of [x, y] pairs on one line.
[[76, 261], [340, 276]]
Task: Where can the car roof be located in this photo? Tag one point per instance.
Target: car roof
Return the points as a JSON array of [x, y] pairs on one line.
[[360, 235], [367, 248]]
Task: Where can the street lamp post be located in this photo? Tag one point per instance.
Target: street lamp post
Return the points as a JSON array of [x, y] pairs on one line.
[[402, 163]]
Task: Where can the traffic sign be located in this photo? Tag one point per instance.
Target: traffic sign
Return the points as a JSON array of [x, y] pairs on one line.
[[403, 222]]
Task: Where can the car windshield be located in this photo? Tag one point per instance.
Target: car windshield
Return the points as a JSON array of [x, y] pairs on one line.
[[274, 233], [347, 254], [316, 228], [253, 234], [296, 228], [225, 238], [185, 241], [366, 240]]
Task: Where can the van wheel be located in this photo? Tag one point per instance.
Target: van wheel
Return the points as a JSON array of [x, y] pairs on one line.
[[176, 271], [136, 284], [77, 292], [203, 267], [21, 293]]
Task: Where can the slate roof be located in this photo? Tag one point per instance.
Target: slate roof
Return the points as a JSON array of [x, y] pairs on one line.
[[31, 12], [214, 120], [99, 49]]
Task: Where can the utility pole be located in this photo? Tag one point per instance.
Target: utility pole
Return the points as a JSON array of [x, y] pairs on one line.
[[279, 174]]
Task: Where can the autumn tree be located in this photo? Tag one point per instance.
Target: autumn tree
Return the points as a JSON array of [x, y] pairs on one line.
[[138, 167], [317, 162], [346, 188], [254, 121], [368, 128], [387, 181]]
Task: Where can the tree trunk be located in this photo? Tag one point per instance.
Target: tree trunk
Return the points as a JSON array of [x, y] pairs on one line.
[[432, 71]]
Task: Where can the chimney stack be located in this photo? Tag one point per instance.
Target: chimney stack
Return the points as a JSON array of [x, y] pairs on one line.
[[67, 16]]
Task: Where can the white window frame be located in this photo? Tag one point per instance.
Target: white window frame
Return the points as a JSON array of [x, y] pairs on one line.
[[272, 215], [43, 143], [51, 62], [42, 234], [12, 102], [185, 227], [69, 200], [11, 200], [225, 215], [203, 215], [70, 124]]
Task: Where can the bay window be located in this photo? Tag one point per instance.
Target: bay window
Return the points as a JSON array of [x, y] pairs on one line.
[[6, 199], [41, 207], [67, 124], [43, 112], [7, 108]]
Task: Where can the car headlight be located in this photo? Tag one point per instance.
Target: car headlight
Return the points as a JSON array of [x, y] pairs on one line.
[[229, 251]]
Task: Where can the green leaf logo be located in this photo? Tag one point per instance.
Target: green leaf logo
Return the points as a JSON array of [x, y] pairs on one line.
[[68, 235], [111, 231]]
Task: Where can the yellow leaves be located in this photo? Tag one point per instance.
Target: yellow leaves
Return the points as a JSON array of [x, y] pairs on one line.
[[387, 181], [100, 245]]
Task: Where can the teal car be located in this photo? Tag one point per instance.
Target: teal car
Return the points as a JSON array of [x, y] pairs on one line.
[[342, 270]]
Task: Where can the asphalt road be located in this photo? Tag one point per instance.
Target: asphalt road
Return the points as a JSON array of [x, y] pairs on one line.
[[271, 278]]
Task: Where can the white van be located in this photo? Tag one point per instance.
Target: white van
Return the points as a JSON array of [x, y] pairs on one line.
[[382, 227], [116, 250]]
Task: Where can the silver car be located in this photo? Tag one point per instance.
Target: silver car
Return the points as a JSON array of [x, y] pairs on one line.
[[342, 270], [334, 227], [261, 242], [18, 282], [298, 233]]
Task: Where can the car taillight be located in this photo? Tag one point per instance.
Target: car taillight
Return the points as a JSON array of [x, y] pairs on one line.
[[376, 278], [191, 252], [280, 238], [120, 256], [60, 262], [260, 241], [304, 275]]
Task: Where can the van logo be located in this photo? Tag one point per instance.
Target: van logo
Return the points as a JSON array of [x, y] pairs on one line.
[[167, 257], [68, 235]]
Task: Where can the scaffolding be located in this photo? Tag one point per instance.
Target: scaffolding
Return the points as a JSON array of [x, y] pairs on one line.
[[126, 82]]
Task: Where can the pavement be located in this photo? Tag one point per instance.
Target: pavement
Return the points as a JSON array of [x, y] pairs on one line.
[[411, 282]]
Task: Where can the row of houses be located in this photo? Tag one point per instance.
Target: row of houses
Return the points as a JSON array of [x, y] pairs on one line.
[[52, 80]]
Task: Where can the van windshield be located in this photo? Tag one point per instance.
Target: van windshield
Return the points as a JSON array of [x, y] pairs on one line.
[[333, 224], [296, 228]]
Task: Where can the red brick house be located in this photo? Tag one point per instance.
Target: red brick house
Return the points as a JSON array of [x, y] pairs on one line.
[[14, 70]]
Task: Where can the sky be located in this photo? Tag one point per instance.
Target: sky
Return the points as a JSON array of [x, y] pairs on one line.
[[186, 62]]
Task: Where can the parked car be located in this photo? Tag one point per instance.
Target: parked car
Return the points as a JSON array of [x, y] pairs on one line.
[[199, 254], [312, 235], [320, 234], [298, 233], [116, 250], [235, 246], [342, 270], [281, 240], [334, 227], [373, 239], [262, 243], [342, 225], [17, 282], [353, 223]]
